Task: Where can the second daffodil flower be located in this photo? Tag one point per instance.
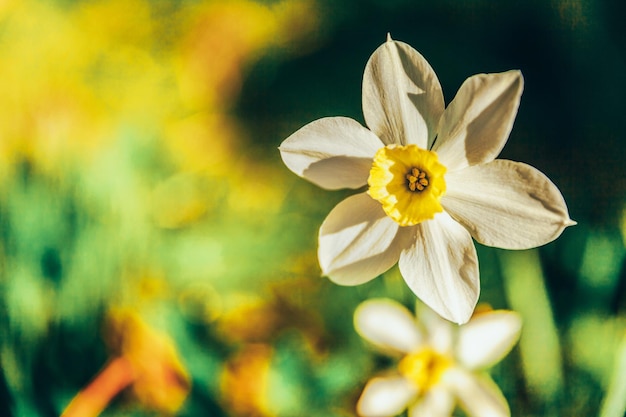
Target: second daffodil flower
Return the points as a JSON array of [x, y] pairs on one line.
[[433, 181], [441, 364]]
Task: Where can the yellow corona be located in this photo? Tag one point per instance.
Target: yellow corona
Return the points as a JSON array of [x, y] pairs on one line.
[[424, 368], [409, 182]]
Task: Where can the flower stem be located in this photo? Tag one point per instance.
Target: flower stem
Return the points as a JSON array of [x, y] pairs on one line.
[[115, 376]]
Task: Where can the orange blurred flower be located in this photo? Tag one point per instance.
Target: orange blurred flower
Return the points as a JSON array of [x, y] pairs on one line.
[[144, 360], [226, 37], [244, 381]]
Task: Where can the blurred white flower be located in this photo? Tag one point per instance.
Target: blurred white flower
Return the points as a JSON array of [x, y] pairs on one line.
[[434, 182], [441, 364]]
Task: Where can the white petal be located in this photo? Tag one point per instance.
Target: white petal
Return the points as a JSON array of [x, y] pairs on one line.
[[477, 394], [477, 123], [506, 204], [358, 242], [436, 402], [402, 97], [333, 152], [487, 338], [441, 333], [441, 268], [388, 325], [385, 396]]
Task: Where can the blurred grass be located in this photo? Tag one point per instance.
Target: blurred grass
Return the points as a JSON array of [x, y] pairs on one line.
[[539, 345], [138, 169]]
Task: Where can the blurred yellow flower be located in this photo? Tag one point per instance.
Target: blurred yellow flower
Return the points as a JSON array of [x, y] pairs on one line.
[[70, 77], [244, 381], [211, 59], [226, 37], [161, 381], [75, 76], [252, 318], [144, 359]]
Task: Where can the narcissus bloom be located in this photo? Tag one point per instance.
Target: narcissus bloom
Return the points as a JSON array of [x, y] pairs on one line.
[[441, 364], [433, 181]]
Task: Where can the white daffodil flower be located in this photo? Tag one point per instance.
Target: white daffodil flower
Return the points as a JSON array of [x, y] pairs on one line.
[[441, 364], [433, 181]]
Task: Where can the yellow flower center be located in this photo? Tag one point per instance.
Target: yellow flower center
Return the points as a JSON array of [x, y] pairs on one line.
[[424, 368], [408, 182]]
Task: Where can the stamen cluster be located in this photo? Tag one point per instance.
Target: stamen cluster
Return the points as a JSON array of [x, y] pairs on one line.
[[416, 180]]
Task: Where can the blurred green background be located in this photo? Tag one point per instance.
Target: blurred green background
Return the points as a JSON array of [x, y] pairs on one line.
[[139, 178]]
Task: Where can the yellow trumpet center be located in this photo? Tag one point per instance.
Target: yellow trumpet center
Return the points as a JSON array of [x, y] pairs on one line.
[[424, 368], [409, 182]]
